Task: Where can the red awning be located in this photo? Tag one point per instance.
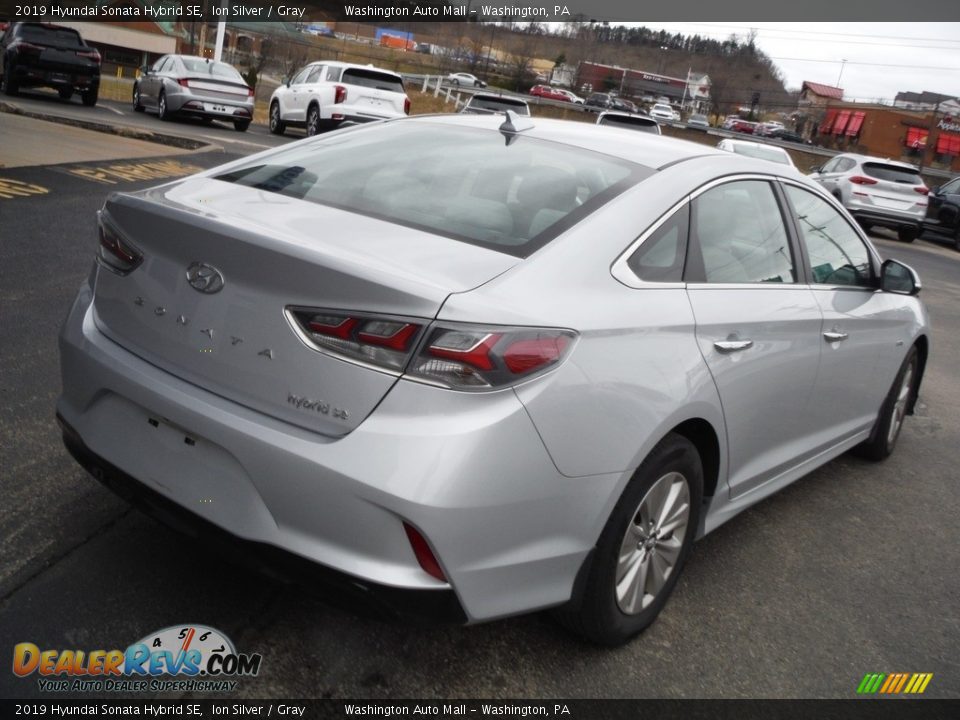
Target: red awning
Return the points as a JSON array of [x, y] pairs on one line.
[[916, 138], [828, 122], [856, 122], [948, 144], [841, 122]]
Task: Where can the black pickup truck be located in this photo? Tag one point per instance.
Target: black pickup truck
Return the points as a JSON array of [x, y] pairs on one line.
[[45, 55]]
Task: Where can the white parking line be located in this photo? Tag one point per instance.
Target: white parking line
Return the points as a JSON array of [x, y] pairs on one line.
[[112, 109], [237, 142]]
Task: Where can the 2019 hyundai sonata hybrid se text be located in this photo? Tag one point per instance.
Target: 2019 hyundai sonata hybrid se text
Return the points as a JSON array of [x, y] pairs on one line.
[[472, 368]]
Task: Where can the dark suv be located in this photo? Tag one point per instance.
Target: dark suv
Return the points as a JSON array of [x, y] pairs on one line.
[[45, 55]]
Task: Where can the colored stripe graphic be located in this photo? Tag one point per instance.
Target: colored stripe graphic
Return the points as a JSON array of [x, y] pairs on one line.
[[894, 683]]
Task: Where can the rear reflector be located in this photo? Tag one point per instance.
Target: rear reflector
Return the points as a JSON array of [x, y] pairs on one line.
[[114, 252], [421, 549]]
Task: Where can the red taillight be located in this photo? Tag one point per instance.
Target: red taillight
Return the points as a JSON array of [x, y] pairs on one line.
[[340, 94], [923, 190], [114, 251], [22, 46], [487, 358], [249, 92], [406, 106], [382, 341], [89, 54], [861, 180], [183, 82], [421, 549]]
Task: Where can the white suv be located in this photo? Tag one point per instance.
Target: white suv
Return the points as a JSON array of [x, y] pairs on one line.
[[877, 191], [662, 111], [325, 94]]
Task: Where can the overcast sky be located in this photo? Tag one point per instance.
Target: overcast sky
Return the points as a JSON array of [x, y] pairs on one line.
[[882, 58]]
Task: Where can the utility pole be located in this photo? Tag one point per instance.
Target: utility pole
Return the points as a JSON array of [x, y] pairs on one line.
[[930, 129]]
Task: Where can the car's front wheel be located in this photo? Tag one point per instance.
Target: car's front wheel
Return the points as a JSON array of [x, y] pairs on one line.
[[642, 548], [894, 410], [137, 102], [10, 86]]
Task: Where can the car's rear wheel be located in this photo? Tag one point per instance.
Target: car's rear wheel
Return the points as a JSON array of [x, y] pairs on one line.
[[907, 234], [277, 125], [313, 121], [163, 112], [137, 102], [10, 86], [956, 237], [241, 125], [642, 548], [883, 437], [89, 97], [65, 93]]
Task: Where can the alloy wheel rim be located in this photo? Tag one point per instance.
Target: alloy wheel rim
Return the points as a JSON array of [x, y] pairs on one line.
[[312, 124], [163, 104], [899, 410], [274, 117], [651, 546]]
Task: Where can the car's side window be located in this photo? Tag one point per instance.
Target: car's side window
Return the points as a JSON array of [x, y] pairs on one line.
[[661, 256], [830, 166], [333, 73], [951, 188], [837, 254], [739, 235], [300, 76], [315, 74], [160, 63], [845, 164]]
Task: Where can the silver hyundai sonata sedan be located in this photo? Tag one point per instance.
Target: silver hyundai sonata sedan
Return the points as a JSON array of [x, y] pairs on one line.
[[467, 367]]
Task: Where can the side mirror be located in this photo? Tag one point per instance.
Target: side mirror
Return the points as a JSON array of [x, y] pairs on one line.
[[895, 277], [816, 168], [287, 82]]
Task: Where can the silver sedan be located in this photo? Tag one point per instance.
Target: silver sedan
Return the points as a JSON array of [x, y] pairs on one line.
[[194, 86], [524, 364]]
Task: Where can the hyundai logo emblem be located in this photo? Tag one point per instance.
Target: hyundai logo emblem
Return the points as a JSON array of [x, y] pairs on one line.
[[204, 278]]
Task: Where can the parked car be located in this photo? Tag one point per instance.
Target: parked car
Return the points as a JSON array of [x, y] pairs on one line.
[[324, 95], [194, 86], [488, 104], [465, 79], [662, 111], [698, 122], [943, 211], [599, 101], [46, 55], [631, 121], [742, 126], [768, 128], [351, 359], [549, 93], [788, 136], [772, 153], [877, 191], [624, 105], [573, 97]]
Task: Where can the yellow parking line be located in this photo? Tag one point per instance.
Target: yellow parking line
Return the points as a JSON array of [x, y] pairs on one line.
[[134, 172], [10, 189]]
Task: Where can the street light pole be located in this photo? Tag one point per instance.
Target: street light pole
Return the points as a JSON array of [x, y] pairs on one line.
[[842, 63]]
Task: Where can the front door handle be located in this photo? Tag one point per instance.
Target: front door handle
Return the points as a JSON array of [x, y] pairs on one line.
[[834, 336], [729, 346]]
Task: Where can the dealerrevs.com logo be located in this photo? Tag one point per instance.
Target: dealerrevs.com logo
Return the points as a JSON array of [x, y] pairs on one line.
[[179, 658]]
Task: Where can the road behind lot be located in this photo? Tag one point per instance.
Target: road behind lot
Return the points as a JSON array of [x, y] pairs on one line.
[[850, 570]]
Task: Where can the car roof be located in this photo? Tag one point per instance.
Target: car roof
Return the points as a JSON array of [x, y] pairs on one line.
[[742, 143], [655, 151], [874, 158], [340, 63]]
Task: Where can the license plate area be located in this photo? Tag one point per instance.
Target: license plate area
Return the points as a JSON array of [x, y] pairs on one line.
[[217, 108]]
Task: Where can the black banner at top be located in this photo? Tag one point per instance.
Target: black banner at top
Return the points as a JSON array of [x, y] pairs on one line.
[[307, 11]]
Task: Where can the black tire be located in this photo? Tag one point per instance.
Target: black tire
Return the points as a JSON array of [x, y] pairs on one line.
[[956, 237], [89, 97], [10, 86], [65, 93], [137, 103], [895, 407], [162, 111], [277, 125], [597, 613], [313, 120], [241, 125], [907, 234]]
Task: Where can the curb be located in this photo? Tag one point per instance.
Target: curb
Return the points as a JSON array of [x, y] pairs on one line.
[[122, 130]]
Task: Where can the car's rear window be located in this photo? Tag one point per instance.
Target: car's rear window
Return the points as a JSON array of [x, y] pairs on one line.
[[51, 35], [214, 69], [483, 102], [372, 79], [467, 184], [762, 153], [893, 173], [634, 123]]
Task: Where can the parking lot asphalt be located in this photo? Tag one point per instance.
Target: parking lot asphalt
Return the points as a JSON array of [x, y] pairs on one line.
[[848, 571]]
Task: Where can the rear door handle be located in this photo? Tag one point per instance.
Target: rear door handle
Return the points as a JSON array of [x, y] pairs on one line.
[[729, 346], [834, 336]]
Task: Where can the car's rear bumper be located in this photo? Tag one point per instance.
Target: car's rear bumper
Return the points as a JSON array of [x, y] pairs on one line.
[[888, 219], [39, 76], [469, 471]]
